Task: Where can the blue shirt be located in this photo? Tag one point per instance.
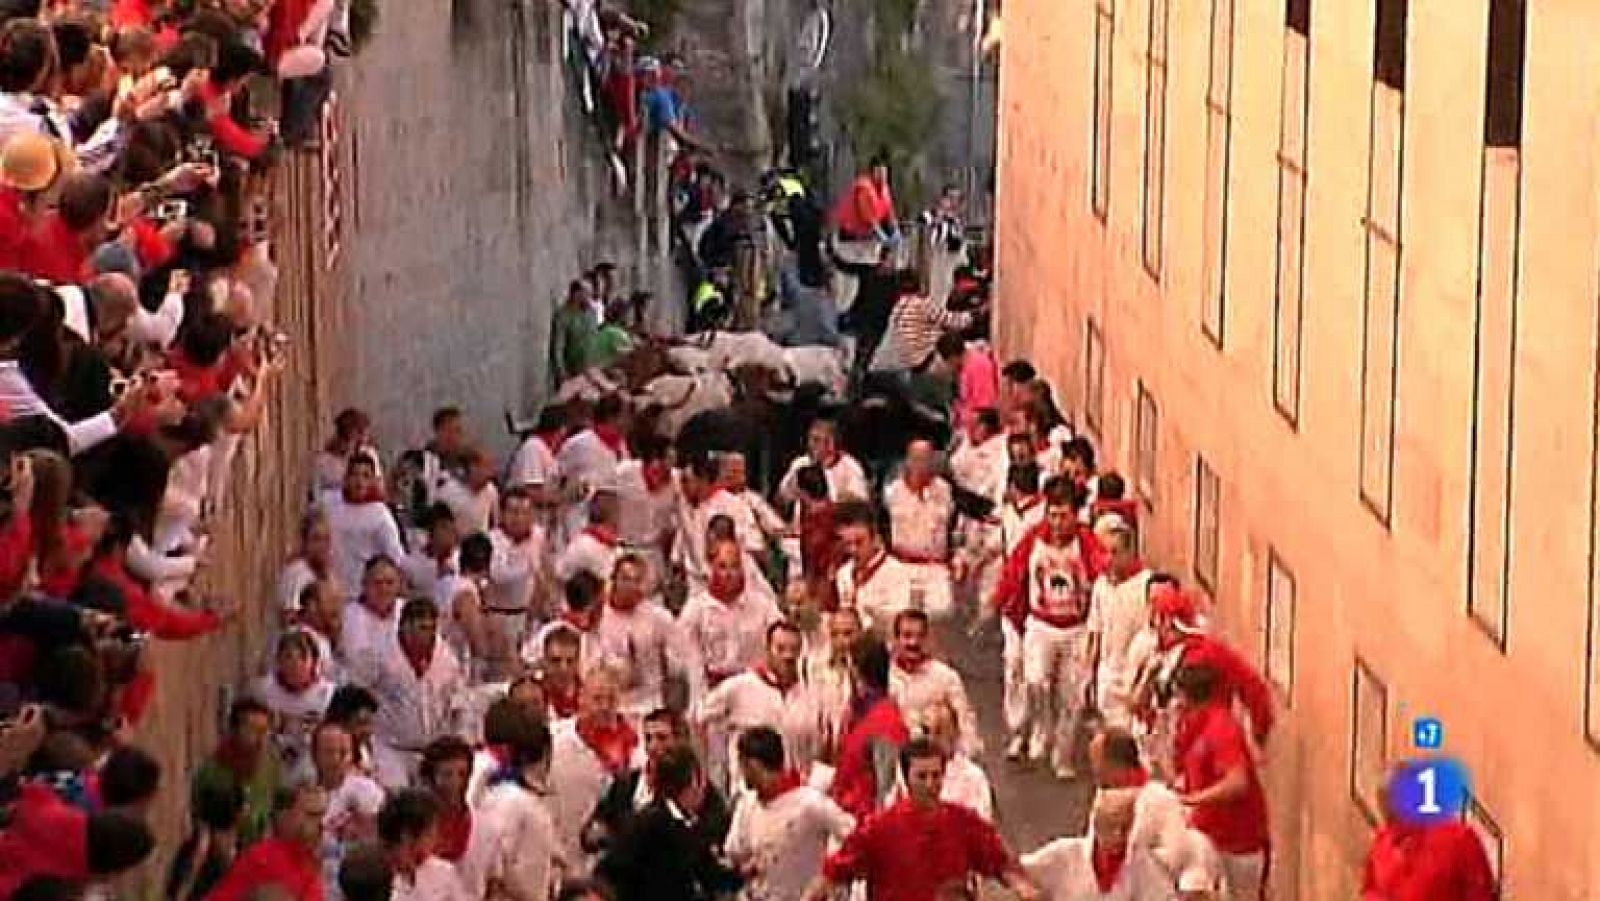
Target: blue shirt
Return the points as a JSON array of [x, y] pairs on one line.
[[662, 108]]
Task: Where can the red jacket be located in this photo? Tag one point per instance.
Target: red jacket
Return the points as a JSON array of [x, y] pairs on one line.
[[1237, 678], [59, 254], [1012, 595], [855, 783], [1440, 862], [46, 837], [908, 853], [272, 861]]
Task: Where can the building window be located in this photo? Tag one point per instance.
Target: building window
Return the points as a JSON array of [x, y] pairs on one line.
[[1207, 524], [1152, 214], [1380, 314], [1219, 141], [1495, 323], [1277, 653], [1294, 126], [1094, 377], [1146, 426], [1477, 816], [1369, 740], [1100, 163]]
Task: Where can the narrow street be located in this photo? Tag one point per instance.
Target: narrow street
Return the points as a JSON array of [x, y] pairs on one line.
[[1032, 805]]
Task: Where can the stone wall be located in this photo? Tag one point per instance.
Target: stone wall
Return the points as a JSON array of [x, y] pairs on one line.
[[469, 191]]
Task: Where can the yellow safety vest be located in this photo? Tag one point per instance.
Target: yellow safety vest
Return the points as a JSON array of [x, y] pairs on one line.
[[791, 186], [705, 295]]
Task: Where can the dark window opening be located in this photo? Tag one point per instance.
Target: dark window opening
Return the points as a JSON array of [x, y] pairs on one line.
[[1389, 44], [1502, 105]]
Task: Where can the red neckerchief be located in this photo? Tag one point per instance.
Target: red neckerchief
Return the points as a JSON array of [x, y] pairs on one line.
[[553, 439], [1028, 503], [787, 781], [766, 674], [919, 485], [295, 689], [726, 592], [911, 663], [1041, 445], [832, 461], [611, 437], [656, 482], [1136, 566], [575, 620], [455, 831], [501, 753], [612, 742], [1108, 865], [419, 660], [1133, 777], [864, 574], [606, 535], [563, 703]]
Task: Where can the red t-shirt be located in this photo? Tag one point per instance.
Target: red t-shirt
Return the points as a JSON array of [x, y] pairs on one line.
[[1210, 743], [855, 783], [1441, 862], [909, 853], [272, 861], [58, 253]]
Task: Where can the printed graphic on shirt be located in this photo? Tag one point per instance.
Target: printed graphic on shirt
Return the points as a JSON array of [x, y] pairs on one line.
[[1059, 581]]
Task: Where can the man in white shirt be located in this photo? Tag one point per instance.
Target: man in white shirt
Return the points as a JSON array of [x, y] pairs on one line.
[[593, 550], [647, 493], [371, 622], [569, 645], [965, 782], [978, 465], [726, 622], [703, 501], [437, 560], [1160, 820], [515, 579], [769, 694], [580, 768], [781, 827], [589, 459], [359, 522], [734, 478], [846, 479], [534, 464], [416, 684], [474, 498], [408, 830], [921, 506], [525, 857], [443, 458], [1070, 869], [827, 676], [918, 682], [1118, 610], [871, 580], [354, 800], [644, 644]]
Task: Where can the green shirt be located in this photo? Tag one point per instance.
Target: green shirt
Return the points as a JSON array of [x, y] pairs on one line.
[[257, 814], [609, 343], [572, 337]]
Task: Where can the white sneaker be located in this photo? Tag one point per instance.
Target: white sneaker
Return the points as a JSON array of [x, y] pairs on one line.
[[1066, 772], [1037, 746], [1017, 747]]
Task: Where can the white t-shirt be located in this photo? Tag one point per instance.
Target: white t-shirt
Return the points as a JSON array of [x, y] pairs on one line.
[[360, 532], [785, 839], [357, 797]]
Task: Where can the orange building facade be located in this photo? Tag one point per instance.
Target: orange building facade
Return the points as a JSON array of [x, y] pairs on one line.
[[1320, 277]]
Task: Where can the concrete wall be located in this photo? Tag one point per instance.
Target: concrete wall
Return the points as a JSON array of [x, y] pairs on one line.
[[479, 192], [1391, 596]]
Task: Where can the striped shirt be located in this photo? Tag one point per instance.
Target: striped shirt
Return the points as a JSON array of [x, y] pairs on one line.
[[915, 325]]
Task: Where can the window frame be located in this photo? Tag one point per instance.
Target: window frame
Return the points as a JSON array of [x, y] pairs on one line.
[[1103, 93], [1207, 560], [1275, 568], [1367, 807], [1152, 222], [1094, 377], [1219, 117], [1293, 174], [1483, 824], [1146, 444]]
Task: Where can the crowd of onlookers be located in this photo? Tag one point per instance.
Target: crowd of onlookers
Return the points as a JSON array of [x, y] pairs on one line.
[[137, 348]]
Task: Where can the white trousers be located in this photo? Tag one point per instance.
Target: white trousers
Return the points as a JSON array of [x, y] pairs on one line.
[[1244, 876], [1014, 688], [1056, 671]]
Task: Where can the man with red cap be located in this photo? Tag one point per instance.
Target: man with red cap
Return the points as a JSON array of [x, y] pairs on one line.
[[1181, 638], [1425, 861], [1044, 590]]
